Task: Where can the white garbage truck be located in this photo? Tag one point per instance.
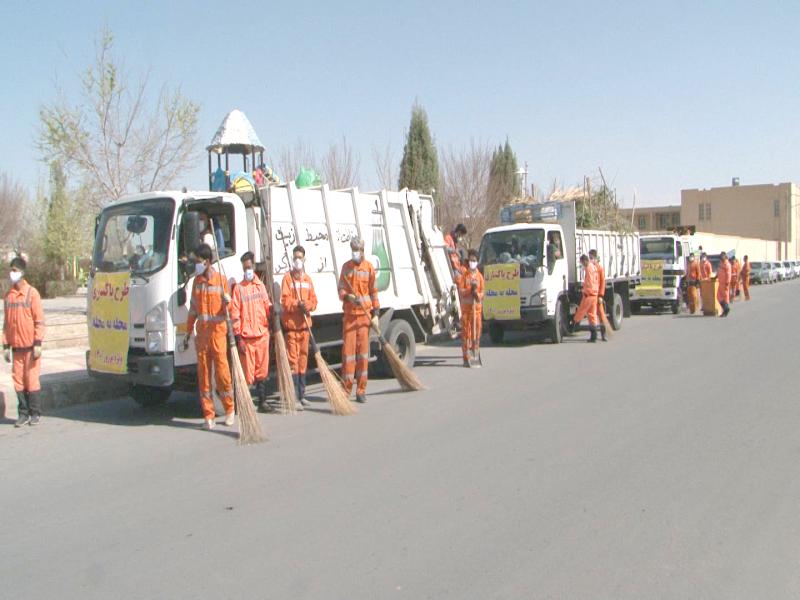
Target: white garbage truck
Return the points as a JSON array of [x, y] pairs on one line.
[[667, 256], [150, 236], [544, 240]]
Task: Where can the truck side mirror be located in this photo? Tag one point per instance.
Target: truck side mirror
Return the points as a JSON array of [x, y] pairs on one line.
[[190, 231]]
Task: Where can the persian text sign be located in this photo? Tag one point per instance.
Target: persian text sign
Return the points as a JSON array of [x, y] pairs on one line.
[[652, 274], [109, 321], [501, 296]]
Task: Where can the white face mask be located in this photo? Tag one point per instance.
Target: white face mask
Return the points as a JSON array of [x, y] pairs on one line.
[[473, 265], [357, 256], [15, 276], [199, 268], [249, 274], [298, 264]]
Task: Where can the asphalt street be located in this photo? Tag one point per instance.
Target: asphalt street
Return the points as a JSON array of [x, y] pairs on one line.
[[663, 464]]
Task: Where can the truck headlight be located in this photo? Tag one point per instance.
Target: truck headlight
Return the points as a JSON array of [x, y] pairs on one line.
[[154, 342], [539, 299], [156, 319]]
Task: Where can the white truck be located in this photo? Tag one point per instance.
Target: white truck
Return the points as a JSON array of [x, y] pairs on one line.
[[546, 242], [673, 251], [150, 236]]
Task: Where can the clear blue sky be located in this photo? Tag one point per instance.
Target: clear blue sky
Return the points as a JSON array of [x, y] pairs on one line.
[[663, 96]]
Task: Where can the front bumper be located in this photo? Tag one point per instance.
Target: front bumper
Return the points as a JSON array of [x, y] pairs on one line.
[[529, 317], [143, 369]]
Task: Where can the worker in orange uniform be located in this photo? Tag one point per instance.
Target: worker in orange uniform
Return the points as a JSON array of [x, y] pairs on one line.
[[23, 333], [250, 307], [451, 242], [744, 278], [601, 292], [470, 291], [706, 270], [693, 284], [359, 296], [588, 305], [736, 267], [208, 310], [724, 284], [298, 301]]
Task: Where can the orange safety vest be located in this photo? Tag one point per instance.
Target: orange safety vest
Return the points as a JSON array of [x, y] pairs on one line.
[[694, 271], [207, 308], [250, 309], [23, 324], [590, 280], [358, 279], [705, 269], [601, 279], [293, 290], [465, 281]]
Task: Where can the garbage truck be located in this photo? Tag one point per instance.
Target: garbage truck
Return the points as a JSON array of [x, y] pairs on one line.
[[145, 241], [665, 258], [531, 263]]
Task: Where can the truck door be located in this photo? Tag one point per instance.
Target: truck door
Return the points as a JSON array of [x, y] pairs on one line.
[[555, 277]]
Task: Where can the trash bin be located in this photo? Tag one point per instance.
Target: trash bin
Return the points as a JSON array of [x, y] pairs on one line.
[[708, 294]]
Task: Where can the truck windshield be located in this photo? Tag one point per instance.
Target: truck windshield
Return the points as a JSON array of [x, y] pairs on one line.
[[523, 246], [134, 237], [657, 248]]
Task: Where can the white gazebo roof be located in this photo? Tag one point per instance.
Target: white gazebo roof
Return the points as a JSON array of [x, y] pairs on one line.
[[235, 135]]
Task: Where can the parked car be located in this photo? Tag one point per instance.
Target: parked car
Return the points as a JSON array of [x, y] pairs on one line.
[[780, 271], [791, 272], [796, 267], [761, 272]]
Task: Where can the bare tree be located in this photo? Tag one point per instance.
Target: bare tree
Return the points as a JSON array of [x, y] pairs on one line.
[[290, 159], [110, 139], [340, 166], [463, 189], [384, 166], [14, 200]]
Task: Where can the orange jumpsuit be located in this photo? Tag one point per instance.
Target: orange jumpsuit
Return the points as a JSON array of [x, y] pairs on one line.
[[705, 270], [294, 288], [736, 266], [724, 282], [250, 307], [452, 253], [207, 310], [588, 305], [601, 292], [471, 307], [692, 291], [23, 328], [359, 280], [745, 280]]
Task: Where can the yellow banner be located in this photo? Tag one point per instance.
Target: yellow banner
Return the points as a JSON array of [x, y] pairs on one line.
[[109, 322], [501, 298], [652, 274]]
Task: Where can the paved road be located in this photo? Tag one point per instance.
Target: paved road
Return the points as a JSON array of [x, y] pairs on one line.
[[661, 465]]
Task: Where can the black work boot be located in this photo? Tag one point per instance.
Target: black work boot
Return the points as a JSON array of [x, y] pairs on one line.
[[33, 407], [593, 334], [296, 380], [261, 393], [301, 394], [361, 398], [603, 333], [22, 409]]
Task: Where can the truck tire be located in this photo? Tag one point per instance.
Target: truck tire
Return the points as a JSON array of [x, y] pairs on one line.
[[400, 335], [555, 326], [496, 333], [149, 396], [616, 312]]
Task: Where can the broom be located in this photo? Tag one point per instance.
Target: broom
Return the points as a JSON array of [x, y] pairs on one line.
[[249, 423], [339, 399], [601, 309], [407, 379], [284, 372]]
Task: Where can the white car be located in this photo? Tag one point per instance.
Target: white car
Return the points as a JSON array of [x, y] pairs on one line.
[[781, 271]]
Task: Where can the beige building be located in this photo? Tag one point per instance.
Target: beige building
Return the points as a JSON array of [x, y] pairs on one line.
[[653, 218], [768, 212]]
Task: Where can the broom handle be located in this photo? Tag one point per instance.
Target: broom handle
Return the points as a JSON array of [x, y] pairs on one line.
[[230, 336]]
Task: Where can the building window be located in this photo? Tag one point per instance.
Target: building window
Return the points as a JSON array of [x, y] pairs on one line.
[[642, 222], [676, 219], [708, 211], [776, 208], [702, 212]]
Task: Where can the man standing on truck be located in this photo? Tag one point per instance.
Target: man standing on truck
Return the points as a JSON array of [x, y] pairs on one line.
[[745, 278], [298, 300], [451, 242], [359, 296], [23, 333], [250, 308], [693, 284], [724, 282], [208, 310], [470, 291], [588, 305], [601, 292]]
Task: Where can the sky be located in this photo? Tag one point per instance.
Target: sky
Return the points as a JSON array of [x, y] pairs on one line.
[[662, 96]]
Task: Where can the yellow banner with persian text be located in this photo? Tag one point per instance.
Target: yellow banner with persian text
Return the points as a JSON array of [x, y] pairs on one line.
[[652, 274], [501, 297], [109, 322]]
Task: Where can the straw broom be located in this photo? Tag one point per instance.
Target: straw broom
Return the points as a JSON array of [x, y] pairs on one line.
[[602, 310], [407, 379], [284, 372]]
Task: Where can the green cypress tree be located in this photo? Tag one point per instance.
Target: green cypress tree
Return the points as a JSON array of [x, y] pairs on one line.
[[503, 180], [419, 168]]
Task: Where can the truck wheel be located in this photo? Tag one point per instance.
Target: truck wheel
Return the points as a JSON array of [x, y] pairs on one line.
[[556, 325], [149, 396], [400, 335], [496, 333], [616, 312]]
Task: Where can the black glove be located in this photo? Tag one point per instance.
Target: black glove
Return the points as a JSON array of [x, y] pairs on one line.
[[303, 307]]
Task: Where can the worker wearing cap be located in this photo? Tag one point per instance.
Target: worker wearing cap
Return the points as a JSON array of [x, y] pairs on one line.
[[250, 308], [298, 300], [744, 278], [724, 283], [601, 292], [359, 295], [208, 311], [588, 305], [693, 284], [451, 242], [23, 333], [470, 290]]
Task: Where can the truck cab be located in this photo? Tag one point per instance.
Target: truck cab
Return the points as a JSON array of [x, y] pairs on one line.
[[672, 251]]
